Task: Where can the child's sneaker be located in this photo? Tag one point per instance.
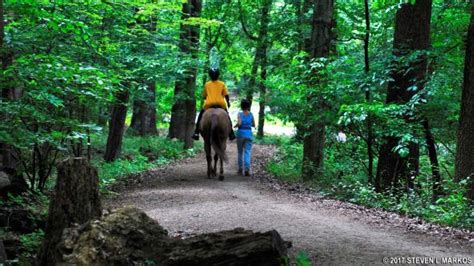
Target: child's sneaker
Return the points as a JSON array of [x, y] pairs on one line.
[[247, 173]]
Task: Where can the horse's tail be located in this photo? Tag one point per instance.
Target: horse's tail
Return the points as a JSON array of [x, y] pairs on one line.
[[215, 141]]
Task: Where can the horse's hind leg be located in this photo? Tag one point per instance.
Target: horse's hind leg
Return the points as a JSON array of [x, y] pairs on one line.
[[209, 160], [209, 166], [214, 170], [221, 175]]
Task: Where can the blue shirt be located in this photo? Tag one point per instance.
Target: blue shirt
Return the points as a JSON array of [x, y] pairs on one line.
[[245, 128]]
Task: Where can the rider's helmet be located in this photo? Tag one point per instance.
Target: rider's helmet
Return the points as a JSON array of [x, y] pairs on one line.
[[214, 73]]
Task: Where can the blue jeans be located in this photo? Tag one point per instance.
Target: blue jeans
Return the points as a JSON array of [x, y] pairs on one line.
[[244, 149]]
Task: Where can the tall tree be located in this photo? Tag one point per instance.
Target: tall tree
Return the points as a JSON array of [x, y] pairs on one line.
[[433, 155], [2, 30], [259, 61], [8, 93], [411, 37], [370, 133], [464, 166], [301, 8], [116, 125], [3, 146], [263, 48], [321, 37], [183, 112], [144, 105], [144, 111], [256, 58]]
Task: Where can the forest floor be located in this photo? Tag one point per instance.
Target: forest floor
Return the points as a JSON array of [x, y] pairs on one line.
[[185, 202]]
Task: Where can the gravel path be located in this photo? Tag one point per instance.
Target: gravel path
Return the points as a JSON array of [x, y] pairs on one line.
[[185, 202]]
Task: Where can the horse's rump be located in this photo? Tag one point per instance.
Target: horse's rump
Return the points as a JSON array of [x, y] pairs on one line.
[[215, 129]]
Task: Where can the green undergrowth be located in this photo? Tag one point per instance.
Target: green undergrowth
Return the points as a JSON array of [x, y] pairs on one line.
[[301, 259], [345, 180], [138, 154], [35, 204]]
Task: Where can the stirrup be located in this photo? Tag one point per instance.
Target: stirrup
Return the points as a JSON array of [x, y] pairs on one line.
[[195, 136]]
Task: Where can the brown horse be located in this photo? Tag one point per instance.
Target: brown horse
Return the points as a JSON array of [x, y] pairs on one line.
[[215, 128]]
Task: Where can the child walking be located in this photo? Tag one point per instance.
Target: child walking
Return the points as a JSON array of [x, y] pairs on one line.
[[244, 137]]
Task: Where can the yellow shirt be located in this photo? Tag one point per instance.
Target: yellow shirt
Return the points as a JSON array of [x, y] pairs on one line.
[[215, 92]]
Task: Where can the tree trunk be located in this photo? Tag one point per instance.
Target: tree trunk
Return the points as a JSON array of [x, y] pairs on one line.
[[144, 112], [464, 166], [313, 150], [263, 101], [253, 77], [8, 93], [2, 30], [183, 112], [76, 200], [116, 126], [412, 33], [313, 141], [144, 106], [301, 7], [299, 24], [3, 254], [3, 147], [370, 133], [263, 46], [433, 155]]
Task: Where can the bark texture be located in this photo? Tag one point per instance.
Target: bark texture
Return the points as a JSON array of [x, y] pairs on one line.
[[2, 27], [116, 126], [465, 149], [3, 254], [7, 94], [76, 200], [144, 112], [321, 37], [260, 61], [183, 112], [263, 49], [433, 155], [128, 236], [253, 77], [412, 33], [370, 133]]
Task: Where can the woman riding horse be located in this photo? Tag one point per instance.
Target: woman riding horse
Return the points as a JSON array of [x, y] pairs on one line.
[[216, 96]]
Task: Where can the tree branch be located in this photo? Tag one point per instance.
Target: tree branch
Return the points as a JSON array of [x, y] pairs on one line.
[[244, 28]]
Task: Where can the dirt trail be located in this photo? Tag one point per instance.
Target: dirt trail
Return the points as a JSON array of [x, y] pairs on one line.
[[184, 201]]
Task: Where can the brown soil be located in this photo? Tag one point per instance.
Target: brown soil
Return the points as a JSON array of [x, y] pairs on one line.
[[185, 203]]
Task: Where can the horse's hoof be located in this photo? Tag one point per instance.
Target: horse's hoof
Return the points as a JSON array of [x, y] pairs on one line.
[[221, 178]]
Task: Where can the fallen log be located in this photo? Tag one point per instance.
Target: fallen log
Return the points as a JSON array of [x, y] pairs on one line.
[[233, 247], [128, 236], [3, 255]]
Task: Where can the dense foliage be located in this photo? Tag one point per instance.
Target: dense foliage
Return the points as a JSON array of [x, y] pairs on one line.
[[345, 180]]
